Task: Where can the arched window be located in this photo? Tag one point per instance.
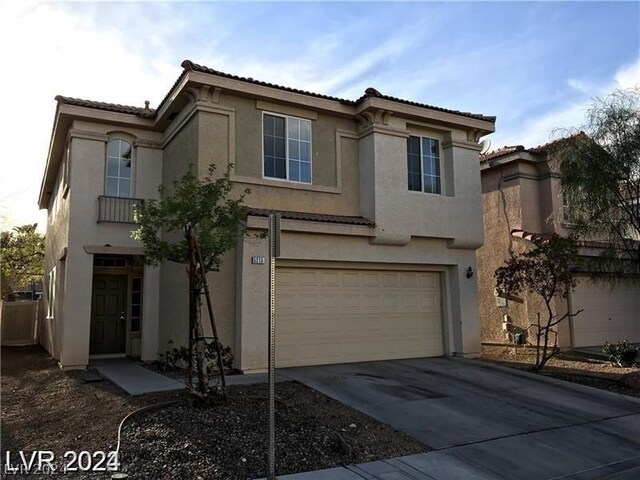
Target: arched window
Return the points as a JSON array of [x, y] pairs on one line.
[[118, 168]]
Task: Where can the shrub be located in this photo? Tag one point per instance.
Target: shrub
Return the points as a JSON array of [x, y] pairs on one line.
[[178, 359], [621, 353]]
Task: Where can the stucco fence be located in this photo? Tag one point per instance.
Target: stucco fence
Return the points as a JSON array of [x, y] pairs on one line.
[[19, 322]]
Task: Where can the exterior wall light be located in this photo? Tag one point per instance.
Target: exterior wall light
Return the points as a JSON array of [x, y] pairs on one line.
[[469, 272]]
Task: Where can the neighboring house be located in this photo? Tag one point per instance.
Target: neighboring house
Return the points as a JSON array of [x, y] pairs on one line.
[[381, 206], [522, 197]]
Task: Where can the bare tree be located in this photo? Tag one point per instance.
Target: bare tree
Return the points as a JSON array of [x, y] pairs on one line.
[[548, 271]]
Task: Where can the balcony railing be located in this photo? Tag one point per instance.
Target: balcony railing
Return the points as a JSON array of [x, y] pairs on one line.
[[116, 209]]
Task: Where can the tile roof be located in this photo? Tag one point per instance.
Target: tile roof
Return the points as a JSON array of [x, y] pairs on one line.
[[312, 217], [500, 152], [545, 147], [372, 92], [603, 244], [188, 65], [110, 107], [532, 237]]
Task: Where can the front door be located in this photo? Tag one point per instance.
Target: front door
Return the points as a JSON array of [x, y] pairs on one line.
[[108, 314]]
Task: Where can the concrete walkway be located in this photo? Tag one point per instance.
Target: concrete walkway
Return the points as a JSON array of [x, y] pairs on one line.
[[484, 421], [134, 378]]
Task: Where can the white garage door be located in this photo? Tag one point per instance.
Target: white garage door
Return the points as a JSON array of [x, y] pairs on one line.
[[341, 315], [609, 314]]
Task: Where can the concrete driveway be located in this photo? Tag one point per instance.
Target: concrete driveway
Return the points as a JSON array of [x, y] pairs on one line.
[[485, 421]]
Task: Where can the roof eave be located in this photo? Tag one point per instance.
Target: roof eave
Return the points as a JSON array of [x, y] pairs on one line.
[[65, 114], [484, 127], [42, 200], [507, 158]]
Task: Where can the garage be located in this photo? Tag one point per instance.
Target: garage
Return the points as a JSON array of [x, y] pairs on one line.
[[610, 314], [330, 315]]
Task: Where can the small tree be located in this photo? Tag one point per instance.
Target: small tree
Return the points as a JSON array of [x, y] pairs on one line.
[[22, 259], [601, 181], [199, 209], [548, 271]]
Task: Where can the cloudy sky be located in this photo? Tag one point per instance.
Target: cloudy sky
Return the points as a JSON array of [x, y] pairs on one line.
[[535, 65]]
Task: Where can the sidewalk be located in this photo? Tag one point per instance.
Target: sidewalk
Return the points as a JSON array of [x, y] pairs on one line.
[[586, 452], [134, 378]]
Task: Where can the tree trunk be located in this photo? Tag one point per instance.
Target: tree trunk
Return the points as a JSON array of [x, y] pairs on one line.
[[538, 335], [195, 323], [203, 380]]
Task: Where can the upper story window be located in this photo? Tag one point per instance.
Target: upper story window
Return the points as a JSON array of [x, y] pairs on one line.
[[423, 164], [118, 182], [287, 148]]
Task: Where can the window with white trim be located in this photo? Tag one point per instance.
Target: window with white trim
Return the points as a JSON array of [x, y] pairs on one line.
[[118, 182], [51, 294], [287, 148], [423, 164]]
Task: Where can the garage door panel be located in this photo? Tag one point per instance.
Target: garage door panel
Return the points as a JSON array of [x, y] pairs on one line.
[[608, 314], [391, 300], [334, 316], [370, 279], [328, 279], [428, 281]]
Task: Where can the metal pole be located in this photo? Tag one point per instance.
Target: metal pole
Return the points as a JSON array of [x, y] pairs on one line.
[[274, 251], [187, 233]]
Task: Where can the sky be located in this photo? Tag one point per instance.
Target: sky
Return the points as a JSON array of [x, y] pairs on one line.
[[536, 66]]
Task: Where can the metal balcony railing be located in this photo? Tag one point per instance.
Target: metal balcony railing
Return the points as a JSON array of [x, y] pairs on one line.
[[116, 209]]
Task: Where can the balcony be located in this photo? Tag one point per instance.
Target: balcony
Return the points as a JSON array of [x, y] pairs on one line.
[[116, 209]]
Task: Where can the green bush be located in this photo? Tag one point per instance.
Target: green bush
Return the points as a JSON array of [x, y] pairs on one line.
[[621, 353]]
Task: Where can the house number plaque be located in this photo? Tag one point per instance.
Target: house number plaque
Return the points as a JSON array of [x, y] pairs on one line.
[[258, 260]]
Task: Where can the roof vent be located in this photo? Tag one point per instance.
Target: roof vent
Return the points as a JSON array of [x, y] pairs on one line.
[[146, 105]]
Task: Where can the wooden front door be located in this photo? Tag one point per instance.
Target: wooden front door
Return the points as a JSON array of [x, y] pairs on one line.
[[108, 314]]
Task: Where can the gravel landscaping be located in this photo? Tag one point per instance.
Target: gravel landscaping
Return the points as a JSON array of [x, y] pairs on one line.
[[571, 366], [44, 408], [229, 440]]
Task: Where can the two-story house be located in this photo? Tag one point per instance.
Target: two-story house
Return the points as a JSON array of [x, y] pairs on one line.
[[381, 206], [522, 197]]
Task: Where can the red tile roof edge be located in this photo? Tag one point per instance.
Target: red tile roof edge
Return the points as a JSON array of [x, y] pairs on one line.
[[188, 65], [313, 217], [502, 151], [532, 237], [110, 107], [543, 148]]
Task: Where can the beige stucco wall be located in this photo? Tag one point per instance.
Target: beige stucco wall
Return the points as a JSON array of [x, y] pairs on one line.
[[178, 154], [519, 202], [399, 213], [367, 173], [86, 182], [461, 322], [359, 169], [232, 132], [56, 242]]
